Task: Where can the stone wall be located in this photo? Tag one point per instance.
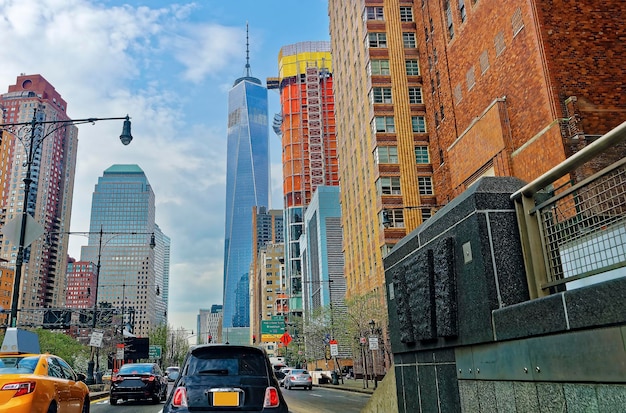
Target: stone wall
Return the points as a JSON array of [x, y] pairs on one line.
[[466, 337]]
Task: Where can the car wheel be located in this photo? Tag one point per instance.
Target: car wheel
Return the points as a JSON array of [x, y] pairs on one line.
[[164, 394], [52, 408], [86, 405], [113, 401], [310, 387]]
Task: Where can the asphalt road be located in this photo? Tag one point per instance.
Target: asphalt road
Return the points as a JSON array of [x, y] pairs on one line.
[[318, 400]]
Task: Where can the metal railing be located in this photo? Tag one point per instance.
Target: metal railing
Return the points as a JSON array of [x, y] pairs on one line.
[[578, 229]]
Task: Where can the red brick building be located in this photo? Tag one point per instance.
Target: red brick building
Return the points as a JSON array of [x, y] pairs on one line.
[[81, 284], [514, 87]]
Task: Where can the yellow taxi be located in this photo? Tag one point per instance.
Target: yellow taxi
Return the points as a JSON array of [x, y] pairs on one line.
[[31, 382]]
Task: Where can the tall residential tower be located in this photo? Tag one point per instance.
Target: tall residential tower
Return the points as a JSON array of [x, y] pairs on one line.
[[307, 128], [432, 95], [50, 197]]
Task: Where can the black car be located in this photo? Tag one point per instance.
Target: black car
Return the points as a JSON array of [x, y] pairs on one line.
[[226, 378], [138, 381]]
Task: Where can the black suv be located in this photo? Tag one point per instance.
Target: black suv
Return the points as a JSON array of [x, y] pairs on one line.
[[226, 378], [138, 381]]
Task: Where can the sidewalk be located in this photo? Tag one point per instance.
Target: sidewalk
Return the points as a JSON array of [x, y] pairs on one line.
[[96, 391], [353, 385]]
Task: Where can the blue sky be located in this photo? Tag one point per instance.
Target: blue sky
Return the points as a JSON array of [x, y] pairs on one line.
[[169, 65]]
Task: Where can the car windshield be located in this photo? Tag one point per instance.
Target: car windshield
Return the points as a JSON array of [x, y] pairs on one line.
[[135, 369], [224, 362], [18, 365]]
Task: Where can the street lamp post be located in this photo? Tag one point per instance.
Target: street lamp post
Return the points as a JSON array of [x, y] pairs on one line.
[[374, 348], [39, 131]]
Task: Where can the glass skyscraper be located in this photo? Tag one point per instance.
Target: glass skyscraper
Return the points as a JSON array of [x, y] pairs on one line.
[[134, 275], [247, 186]]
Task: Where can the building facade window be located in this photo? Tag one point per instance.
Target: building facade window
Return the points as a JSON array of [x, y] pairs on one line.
[[462, 10], [406, 14], [386, 154], [425, 185], [449, 23], [393, 218], [412, 68], [384, 124], [374, 13], [421, 155], [484, 61], [379, 67], [415, 95], [458, 93], [499, 44], [381, 95], [408, 39], [470, 78], [418, 123], [517, 22], [388, 185], [377, 39]]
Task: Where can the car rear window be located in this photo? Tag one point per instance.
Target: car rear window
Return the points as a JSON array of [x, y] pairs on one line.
[[226, 362], [135, 369], [18, 365]]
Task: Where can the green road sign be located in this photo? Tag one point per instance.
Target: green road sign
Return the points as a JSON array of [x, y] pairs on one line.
[[154, 352]]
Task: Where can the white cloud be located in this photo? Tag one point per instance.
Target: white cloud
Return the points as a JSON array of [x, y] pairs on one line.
[[148, 63]]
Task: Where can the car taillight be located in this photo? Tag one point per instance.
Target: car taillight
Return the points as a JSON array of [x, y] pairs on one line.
[[271, 397], [180, 397], [20, 388], [147, 378]]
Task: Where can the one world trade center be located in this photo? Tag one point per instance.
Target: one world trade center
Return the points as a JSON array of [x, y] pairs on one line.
[[247, 185]]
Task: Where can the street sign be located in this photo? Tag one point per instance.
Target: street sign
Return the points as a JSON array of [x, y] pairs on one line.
[[334, 348], [96, 339], [154, 352], [362, 340], [119, 354], [272, 330], [11, 230], [373, 343], [285, 339]]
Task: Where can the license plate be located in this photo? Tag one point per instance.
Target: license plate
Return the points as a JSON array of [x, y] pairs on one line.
[[230, 399]]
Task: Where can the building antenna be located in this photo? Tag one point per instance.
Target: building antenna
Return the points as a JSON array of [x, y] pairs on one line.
[[247, 51]]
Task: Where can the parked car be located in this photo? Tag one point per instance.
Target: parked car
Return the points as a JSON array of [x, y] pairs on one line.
[[31, 382], [226, 378], [281, 374], [106, 376], [298, 378], [138, 381], [172, 373]]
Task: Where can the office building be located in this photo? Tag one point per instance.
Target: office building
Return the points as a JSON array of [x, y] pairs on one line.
[[247, 186], [307, 128], [431, 96], [132, 250], [209, 324], [50, 196]]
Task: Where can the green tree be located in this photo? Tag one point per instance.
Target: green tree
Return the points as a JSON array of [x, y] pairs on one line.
[[64, 346]]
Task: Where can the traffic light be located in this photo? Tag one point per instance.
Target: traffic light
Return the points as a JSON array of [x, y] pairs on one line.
[[210, 338], [254, 339]]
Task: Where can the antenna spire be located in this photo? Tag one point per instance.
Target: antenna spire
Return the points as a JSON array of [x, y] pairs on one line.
[[247, 51]]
